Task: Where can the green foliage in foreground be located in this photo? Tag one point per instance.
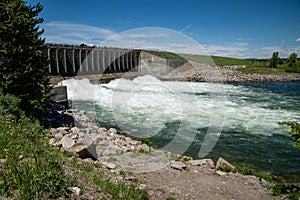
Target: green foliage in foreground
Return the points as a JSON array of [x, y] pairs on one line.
[[242, 169], [23, 66], [118, 191], [30, 169], [294, 132], [291, 191], [10, 105]]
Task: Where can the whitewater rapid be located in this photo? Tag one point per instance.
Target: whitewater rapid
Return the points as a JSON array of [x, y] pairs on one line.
[[147, 103]]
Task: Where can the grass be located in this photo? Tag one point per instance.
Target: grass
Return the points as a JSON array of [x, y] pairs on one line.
[[260, 66], [242, 169], [164, 54], [118, 191], [291, 191], [31, 169]]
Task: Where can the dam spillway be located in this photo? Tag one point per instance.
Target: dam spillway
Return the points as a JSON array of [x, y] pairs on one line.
[[91, 62], [105, 63]]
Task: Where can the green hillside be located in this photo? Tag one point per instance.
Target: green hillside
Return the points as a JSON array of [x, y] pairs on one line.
[[260, 66]]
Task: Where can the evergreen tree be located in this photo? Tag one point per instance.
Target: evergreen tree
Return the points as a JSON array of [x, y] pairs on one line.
[[23, 66], [292, 60], [274, 60]]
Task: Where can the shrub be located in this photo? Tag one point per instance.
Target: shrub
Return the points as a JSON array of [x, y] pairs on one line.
[[295, 131], [10, 104]]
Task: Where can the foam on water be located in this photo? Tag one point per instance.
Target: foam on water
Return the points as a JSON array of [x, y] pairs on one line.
[[147, 103]]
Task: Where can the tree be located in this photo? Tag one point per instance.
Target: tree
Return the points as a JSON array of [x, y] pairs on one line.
[[292, 60], [23, 66], [274, 60]]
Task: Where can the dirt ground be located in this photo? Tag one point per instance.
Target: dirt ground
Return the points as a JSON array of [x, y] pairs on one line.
[[202, 183]]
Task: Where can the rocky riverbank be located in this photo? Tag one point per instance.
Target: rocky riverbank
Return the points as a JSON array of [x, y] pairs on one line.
[[233, 76], [196, 72], [161, 173]]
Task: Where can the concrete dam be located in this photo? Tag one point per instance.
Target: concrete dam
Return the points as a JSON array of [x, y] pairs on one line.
[[104, 63]]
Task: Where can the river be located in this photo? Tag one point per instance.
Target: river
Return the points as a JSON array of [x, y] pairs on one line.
[[236, 121]]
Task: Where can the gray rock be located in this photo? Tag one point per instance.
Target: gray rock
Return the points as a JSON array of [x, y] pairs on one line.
[[75, 130], [210, 163], [53, 131], [177, 165], [223, 164], [75, 190], [220, 173], [82, 112], [2, 161], [85, 151], [131, 179], [63, 130], [112, 150], [73, 136], [109, 165], [67, 142], [112, 131], [142, 186], [97, 138], [58, 135], [197, 162], [55, 142], [144, 148]]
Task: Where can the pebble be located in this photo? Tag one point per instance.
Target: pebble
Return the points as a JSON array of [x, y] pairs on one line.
[[75, 190]]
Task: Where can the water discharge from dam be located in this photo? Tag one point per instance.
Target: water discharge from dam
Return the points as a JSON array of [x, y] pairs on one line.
[[181, 113]]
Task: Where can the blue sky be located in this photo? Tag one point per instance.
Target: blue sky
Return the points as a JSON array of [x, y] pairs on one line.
[[232, 28]]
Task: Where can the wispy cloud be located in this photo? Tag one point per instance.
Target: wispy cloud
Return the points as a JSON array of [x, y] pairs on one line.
[[70, 33], [158, 39], [237, 51]]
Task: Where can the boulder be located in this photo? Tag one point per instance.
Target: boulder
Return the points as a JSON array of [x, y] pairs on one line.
[[210, 163], [85, 150], [224, 165], [75, 130], [112, 131], [197, 162], [63, 130], [143, 148], [202, 162], [177, 165], [67, 142]]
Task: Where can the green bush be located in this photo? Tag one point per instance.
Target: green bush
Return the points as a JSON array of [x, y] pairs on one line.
[[292, 191], [295, 131], [10, 105]]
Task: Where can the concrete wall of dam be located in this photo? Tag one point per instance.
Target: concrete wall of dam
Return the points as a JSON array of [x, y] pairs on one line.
[[157, 66], [69, 61], [105, 63]]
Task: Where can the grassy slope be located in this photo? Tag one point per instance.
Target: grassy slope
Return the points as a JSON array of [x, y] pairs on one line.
[[251, 66]]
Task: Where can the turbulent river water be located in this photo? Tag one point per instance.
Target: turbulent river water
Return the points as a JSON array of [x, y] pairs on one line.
[[236, 121]]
